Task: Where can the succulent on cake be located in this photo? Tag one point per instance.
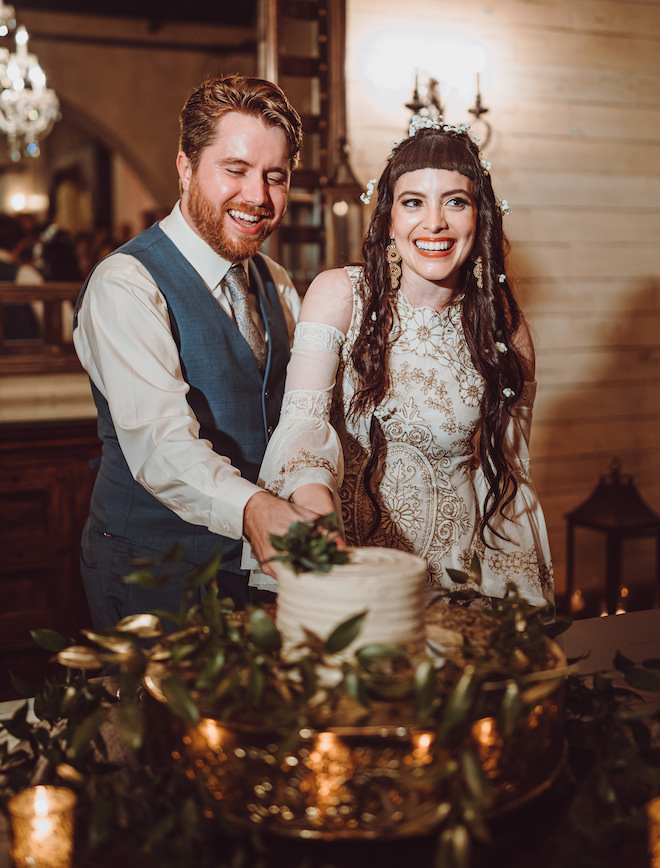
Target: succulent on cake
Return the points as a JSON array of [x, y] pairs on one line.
[[311, 546]]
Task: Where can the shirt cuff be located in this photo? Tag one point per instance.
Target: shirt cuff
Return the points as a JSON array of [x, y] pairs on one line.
[[229, 505]]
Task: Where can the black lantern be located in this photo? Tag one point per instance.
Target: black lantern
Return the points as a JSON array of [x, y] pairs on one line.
[[616, 509], [346, 216]]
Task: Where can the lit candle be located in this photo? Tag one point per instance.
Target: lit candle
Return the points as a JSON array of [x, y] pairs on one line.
[[42, 826], [653, 816]]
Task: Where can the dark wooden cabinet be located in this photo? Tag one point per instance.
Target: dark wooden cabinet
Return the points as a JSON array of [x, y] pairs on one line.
[[45, 486]]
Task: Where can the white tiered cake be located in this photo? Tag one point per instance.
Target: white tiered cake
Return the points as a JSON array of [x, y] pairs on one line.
[[386, 583]]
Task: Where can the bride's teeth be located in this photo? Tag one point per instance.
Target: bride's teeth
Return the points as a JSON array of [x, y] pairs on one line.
[[433, 245]]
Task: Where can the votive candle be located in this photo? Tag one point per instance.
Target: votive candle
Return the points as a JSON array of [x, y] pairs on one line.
[[42, 826], [653, 817]]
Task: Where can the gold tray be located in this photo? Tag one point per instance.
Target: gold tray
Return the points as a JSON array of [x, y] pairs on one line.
[[358, 782]]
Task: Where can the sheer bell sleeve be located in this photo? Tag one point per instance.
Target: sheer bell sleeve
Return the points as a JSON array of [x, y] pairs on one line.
[[304, 447]]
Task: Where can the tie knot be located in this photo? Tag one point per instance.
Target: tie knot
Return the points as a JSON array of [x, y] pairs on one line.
[[236, 280]]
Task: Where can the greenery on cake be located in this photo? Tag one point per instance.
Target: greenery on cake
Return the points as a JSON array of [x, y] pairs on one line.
[[311, 546], [228, 663]]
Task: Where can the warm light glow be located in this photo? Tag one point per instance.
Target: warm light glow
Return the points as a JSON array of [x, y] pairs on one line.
[[479, 58], [387, 59], [484, 731], [653, 817], [340, 208], [326, 742], [18, 201], [42, 824], [211, 732]]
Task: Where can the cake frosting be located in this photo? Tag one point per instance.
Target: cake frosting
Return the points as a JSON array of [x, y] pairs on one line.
[[386, 583]]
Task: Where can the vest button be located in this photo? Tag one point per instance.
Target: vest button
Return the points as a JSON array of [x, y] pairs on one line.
[[266, 394], [270, 430]]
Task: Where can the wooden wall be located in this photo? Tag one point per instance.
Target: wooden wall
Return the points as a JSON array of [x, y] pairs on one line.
[[574, 95]]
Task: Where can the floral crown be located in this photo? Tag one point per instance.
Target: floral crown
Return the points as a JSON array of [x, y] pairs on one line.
[[424, 122]]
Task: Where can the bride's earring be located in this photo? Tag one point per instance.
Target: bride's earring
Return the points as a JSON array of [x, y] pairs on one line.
[[393, 259]]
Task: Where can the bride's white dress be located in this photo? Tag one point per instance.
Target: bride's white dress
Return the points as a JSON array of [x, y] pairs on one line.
[[429, 493]]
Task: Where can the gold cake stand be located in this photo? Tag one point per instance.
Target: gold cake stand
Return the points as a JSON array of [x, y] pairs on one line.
[[356, 782]]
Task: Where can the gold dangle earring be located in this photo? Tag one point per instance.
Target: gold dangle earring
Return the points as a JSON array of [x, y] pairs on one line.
[[478, 271], [393, 259]]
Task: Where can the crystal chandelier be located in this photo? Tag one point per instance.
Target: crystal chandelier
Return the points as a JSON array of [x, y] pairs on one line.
[[28, 109]]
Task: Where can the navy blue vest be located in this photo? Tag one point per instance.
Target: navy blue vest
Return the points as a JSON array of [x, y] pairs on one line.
[[234, 404]]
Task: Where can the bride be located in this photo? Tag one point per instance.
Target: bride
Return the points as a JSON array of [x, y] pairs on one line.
[[410, 388]]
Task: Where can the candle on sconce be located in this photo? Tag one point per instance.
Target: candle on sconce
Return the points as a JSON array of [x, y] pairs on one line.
[[42, 827]]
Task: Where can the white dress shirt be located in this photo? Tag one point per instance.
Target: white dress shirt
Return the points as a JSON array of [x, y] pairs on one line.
[[124, 342]]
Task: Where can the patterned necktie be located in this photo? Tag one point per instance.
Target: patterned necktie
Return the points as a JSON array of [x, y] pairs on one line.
[[236, 282]]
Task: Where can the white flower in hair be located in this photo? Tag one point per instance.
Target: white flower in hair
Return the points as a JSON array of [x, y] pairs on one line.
[[366, 196], [504, 207]]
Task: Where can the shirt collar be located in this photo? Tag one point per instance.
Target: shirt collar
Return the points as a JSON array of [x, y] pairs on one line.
[[210, 266]]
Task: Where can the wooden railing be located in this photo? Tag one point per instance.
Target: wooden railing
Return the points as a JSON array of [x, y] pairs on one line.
[[52, 352]]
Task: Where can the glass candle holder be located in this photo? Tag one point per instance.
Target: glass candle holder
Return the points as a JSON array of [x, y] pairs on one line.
[[42, 827]]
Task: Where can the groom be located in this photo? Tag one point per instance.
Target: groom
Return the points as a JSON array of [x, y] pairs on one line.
[[185, 333]]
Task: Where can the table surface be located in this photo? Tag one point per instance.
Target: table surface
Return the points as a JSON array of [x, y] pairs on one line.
[[595, 641]]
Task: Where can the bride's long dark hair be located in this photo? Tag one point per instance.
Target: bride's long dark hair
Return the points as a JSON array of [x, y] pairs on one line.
[[490, 314]]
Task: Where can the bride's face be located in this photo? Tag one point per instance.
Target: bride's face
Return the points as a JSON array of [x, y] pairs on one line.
[[433, 223]]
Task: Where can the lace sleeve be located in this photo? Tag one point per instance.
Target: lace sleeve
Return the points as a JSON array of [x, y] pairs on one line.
[[519, 429], [304, 447]]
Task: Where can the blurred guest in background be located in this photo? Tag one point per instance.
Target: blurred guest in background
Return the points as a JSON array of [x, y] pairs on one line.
[[22, 321]]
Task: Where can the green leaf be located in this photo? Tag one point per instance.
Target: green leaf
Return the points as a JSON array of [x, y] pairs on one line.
[[622, 663], [511, 709], [101, 823], [652, 663], [458, 576], [641, 679], [146, 579], [255, 687], [342, 636], [85, 732], [425, 685], [145, 626], [179, 699], [476, 778], [379, 652], [263, 629], [50, 640], [80, 657], [475, 569], [130, 722], [355, 687], [173, 555], [460, 700], [211, 669], [203, 575], [17, 724], [21, 686]]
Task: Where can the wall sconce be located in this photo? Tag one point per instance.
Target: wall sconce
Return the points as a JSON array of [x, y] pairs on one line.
[[426, 98], [478, 109]]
